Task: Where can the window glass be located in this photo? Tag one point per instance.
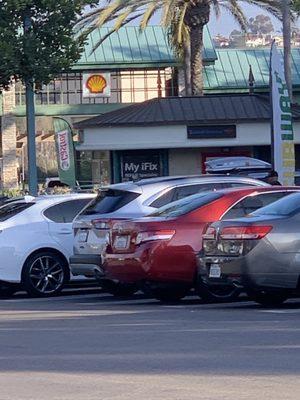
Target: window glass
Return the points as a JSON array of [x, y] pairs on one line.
[[289, 205], [164, 199], [253, 203], [236, 184], [12, 209], [65, 212], [184, 191], [109, 201], [186, 205]]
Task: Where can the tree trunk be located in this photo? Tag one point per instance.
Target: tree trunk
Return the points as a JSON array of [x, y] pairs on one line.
[[196, 59], [286, 13], [187, 69]]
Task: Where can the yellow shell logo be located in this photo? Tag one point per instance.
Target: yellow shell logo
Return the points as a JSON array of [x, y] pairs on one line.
[[96, 84]]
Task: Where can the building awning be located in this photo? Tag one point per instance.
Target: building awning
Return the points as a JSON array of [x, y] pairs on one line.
[[214, 109], [129, 47]]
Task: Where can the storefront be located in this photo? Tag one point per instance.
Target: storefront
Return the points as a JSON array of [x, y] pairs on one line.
[[175, 136]]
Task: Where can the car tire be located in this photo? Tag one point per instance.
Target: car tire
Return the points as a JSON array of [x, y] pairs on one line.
[[268, 299], [219, 294], [7, 290], [44, 274], [168, 295], [119, 289]]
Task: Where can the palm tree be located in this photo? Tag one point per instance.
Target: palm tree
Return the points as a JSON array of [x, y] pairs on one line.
[[184, 19]]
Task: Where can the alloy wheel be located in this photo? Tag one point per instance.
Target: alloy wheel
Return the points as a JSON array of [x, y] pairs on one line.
[[46, 274]]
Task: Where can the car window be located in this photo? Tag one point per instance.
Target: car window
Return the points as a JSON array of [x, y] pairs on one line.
[[109, 201], [253, 203], [65, 212], [12, 209], [186, 205], [287, 206], [54, 184], [185, 191], [164, 199], [236, 184]]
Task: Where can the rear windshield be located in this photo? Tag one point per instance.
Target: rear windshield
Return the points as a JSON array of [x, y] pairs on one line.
[[186, 205], [288, 205], [109, 201], [12, 209]]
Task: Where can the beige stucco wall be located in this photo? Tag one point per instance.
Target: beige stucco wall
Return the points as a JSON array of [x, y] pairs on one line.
[[185, 162]]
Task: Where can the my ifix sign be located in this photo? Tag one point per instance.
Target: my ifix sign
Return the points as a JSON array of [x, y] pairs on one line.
[[282, 125], [139, 166]]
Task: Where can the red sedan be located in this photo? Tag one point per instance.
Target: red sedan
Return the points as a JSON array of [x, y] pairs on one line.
[[158, 253]]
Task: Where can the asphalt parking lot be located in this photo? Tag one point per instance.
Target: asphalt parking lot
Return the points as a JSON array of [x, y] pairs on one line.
[[90, 346]]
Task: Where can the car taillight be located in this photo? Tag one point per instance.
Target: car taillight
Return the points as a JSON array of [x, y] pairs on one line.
[[143, 237], [254, 232], [100, 224], [210, 233]]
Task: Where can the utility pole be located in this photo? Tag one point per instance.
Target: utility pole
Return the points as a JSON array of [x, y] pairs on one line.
[[286, 20], [30, 119]]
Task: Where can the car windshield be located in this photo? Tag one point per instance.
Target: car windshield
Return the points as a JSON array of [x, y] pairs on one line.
[[12, 209], [286, 206], [186, 205], [109, 201]]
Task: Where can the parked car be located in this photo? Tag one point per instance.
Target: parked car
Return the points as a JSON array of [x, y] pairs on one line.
[[53, 183], [259, 253], [36, 240], [159, 253], [133, 200]]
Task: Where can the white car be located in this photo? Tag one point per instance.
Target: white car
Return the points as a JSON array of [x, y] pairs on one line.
[[36, 241]]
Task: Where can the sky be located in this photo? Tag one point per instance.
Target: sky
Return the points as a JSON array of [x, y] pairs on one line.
[[226, 24]]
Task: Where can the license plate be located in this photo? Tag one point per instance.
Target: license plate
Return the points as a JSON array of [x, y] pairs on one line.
[[215, 271], [82, 236], [121, 242]]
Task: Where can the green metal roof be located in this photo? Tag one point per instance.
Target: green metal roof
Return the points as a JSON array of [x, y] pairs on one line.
[[230, 71], [131, 47]]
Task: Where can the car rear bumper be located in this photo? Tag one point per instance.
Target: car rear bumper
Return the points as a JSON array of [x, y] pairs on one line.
[[151, 264], [232, 271], [127, 268], [271, 271], [89, 265]]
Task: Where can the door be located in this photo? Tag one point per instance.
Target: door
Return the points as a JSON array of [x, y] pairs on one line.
[[60, 217]]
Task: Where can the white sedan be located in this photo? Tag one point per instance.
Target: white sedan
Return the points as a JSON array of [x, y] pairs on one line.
[[36, 241]]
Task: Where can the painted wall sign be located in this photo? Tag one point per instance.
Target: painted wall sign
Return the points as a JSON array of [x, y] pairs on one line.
[[211, 132], [96, 84]]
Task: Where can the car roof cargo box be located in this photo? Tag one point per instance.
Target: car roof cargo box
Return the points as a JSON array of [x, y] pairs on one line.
[[238, 166]]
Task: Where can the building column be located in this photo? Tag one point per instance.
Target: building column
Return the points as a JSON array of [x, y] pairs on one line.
[[9, 141]]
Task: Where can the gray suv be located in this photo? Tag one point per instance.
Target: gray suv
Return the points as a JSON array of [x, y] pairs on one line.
[[133, 200]]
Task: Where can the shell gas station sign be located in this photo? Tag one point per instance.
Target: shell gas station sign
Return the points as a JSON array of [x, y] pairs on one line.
[[96, 84]]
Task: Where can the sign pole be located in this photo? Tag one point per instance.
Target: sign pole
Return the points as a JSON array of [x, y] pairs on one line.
[[271, 108]]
